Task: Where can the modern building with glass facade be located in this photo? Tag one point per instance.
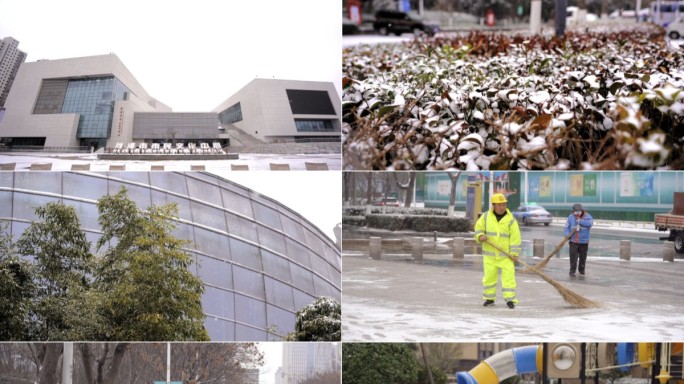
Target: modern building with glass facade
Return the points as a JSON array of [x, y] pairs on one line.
[[260, 261], [85, 101], [302, 361], [283, 111]]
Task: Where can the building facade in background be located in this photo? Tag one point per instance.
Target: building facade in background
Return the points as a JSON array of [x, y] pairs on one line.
[[85, 101], [302, 361], [96, 102], [260, 261], [282, 111], [10, 60]]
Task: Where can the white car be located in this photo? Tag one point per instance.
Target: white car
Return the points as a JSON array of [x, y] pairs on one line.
[[676, 29]]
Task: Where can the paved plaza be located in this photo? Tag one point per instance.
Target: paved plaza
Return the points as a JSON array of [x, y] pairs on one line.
[[440, 299]]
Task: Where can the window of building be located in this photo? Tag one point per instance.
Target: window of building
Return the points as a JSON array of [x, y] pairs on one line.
[[313, 125], [231, 115], [308, 102], [51, 96]]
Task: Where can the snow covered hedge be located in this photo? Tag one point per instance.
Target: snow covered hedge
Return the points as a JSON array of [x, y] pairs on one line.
[[601, 100], [416, 223]]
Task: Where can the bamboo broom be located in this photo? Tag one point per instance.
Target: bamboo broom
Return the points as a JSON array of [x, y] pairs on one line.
[[548, 257], [569, 296]]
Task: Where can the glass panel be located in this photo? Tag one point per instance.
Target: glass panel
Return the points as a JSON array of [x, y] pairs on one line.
[[314, 242], [169, 181], [293, 228], [276, 266], [139, 194], [212, 243], [249, 282], [216, 272], [203, 191], [323, 288], [39, 181], [243, 333], [298, 253], [5, 204], [332, 256], [245, 254], [237, 203], [250, 311], [219, 329], [319, 265], [267, 216], [302, 279], [183, 204], [279, 294], [242, 227], [282, 320], [218, 302], [25, 205], [271, 239], [85, 186], [7, 179], [302, 299], [136, 177], [335, 276], [209, 216], [86, 212], [233, 187], [184, 232]]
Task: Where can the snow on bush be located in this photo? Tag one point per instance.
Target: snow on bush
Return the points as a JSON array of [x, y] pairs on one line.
[[602, 100]]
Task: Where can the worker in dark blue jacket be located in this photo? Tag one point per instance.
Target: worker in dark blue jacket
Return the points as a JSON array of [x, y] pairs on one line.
[[580, 221]]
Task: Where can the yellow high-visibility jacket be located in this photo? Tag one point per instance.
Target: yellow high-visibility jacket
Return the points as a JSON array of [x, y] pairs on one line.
[[505, 234]]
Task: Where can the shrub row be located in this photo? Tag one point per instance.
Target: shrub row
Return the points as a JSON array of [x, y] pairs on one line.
[[418, 223]]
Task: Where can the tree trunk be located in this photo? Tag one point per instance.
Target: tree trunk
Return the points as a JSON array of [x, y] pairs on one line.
[[369, 192], [452, 196], [406, 188], [117, 358], [48, 368]]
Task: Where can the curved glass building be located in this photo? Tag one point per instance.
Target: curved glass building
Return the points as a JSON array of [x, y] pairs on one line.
[[260, 261]]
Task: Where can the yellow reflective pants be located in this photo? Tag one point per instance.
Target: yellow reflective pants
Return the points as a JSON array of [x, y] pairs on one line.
[[492, 265]]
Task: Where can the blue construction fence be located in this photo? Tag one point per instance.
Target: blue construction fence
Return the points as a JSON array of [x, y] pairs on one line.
[[608, 195]]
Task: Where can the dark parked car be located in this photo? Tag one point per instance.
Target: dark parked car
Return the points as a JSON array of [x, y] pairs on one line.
[[532, 214], [349, 27], [396, 22]]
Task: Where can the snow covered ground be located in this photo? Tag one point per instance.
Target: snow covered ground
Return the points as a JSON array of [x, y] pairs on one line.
[[258, 162], [398, 299]]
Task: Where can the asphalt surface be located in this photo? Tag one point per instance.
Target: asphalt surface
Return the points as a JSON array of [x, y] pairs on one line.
[[440, 299]]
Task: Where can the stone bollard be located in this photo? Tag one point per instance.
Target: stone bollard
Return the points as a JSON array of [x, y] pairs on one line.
[[668, 251], [459, 248], [625, 249], [417, 248], [538, 248], [375, 247]]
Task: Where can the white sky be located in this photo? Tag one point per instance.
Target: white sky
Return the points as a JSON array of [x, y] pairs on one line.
[[190, 55], [315, 195], [273, 358]]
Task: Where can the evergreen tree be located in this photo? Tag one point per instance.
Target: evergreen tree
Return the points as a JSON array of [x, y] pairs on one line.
[[62, 305], [150, 292], [379, 363], [16, 290], [318, 321]]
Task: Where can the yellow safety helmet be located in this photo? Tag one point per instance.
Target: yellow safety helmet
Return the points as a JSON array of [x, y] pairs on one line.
[[499, 198]]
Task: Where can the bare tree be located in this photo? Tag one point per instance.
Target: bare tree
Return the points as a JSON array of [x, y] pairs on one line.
[[452, 196], [369, 192], [406, 187]]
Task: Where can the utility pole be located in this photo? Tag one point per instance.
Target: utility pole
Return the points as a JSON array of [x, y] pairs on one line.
[[168, 362]]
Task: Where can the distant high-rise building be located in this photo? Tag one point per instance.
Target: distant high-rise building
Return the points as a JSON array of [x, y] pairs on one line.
[[305, 360], [252, 376], [10, 60], [280, 376]]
